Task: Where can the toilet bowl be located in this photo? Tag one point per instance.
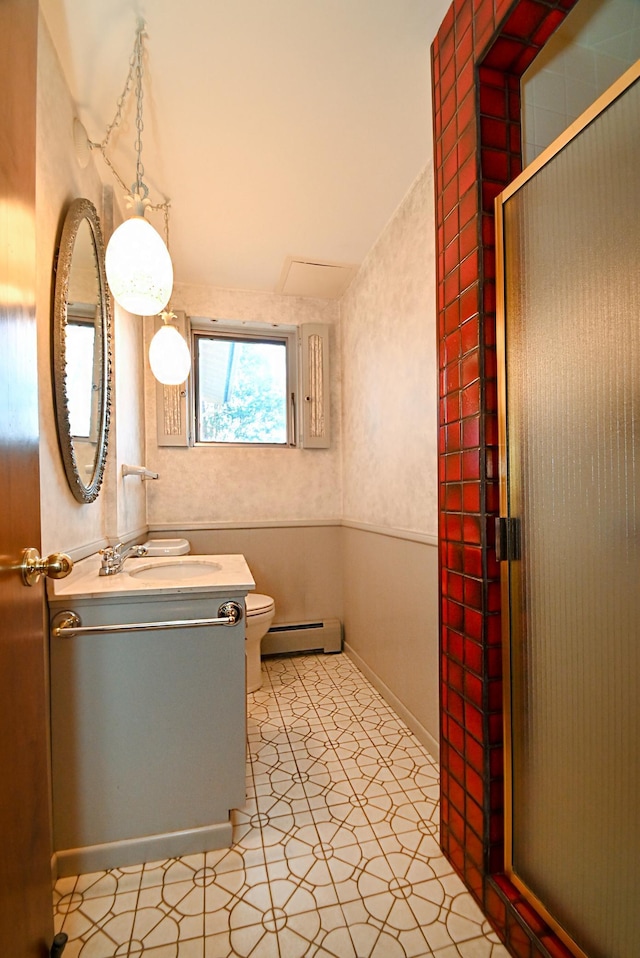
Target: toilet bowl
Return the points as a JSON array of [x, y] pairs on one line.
[[260, 612]]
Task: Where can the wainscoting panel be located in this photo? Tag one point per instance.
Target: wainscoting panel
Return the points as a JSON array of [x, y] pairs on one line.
[[299, 565], [391, 622]]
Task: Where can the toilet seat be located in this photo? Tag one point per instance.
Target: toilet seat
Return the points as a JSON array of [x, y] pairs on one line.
[[258, 603]]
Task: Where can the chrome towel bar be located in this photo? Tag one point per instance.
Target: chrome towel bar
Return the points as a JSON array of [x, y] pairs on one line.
[[66, 625]]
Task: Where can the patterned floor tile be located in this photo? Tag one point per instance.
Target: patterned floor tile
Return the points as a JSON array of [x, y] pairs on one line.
[[335, 852]]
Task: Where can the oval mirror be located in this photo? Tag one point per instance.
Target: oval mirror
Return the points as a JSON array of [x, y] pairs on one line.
[[81, 343]]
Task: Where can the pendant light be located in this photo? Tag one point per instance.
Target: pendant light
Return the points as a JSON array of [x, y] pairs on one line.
[[169, 354], [138, 266], [137, 262]]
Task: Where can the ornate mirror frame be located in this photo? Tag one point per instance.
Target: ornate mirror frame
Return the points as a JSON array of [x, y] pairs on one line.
[[85, 488]]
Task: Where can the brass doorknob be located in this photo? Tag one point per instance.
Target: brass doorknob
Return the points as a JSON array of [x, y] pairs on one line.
[[56, 566]]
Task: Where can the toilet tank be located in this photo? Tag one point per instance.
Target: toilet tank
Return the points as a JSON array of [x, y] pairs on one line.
[[167, 547]]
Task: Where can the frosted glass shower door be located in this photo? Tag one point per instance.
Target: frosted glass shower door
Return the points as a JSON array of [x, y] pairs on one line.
[[569, 339]]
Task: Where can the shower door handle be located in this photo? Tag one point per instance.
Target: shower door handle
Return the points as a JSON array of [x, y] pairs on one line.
[[508, 539]]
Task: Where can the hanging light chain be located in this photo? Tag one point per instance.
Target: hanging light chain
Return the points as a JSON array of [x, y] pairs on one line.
[[165, 207], [139, 188], [111, 167], [137, 262], [122, 99], [117, 120]]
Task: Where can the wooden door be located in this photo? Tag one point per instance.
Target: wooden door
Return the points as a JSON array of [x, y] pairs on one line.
[[25, 834]]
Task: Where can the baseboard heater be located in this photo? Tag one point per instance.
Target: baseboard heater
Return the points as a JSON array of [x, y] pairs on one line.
[[323, 636]]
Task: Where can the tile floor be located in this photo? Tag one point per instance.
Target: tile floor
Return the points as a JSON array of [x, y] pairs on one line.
[[335, 853]]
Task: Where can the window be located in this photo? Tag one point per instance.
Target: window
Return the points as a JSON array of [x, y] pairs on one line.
[[244, 387]]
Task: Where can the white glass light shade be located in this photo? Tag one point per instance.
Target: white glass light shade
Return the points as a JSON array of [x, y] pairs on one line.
[[169, 356], [139, 269]]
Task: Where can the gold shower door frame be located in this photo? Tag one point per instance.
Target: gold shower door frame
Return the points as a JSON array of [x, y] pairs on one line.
[[511, 492]]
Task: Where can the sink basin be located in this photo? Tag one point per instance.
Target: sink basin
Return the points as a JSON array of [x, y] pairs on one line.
[[175, 571], [218, 574]]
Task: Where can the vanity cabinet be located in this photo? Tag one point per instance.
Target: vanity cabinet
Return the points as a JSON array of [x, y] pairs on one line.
[[148, 729]]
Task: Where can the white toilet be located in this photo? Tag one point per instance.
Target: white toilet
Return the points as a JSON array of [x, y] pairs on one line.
[[167, 547], [260, 612]]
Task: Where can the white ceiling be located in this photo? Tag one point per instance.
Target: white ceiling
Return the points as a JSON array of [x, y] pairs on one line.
[[277, 128]]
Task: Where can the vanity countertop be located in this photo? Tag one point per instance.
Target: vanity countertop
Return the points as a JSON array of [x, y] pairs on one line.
[[160, 575]]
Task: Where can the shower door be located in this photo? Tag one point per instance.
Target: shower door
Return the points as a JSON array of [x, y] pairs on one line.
[[569, 350]]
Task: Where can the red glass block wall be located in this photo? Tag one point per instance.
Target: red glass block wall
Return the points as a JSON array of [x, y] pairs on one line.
[[478, 57]]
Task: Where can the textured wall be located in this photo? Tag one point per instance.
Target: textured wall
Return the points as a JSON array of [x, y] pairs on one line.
[[128, 424], [390, 374], [67, 524], [235, 484], [390, 463]]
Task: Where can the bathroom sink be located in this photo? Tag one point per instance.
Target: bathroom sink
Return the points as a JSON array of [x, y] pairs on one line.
[[218, 574], [175, 571]]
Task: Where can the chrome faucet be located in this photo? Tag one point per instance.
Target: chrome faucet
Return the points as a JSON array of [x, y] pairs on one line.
[[112, 558]]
